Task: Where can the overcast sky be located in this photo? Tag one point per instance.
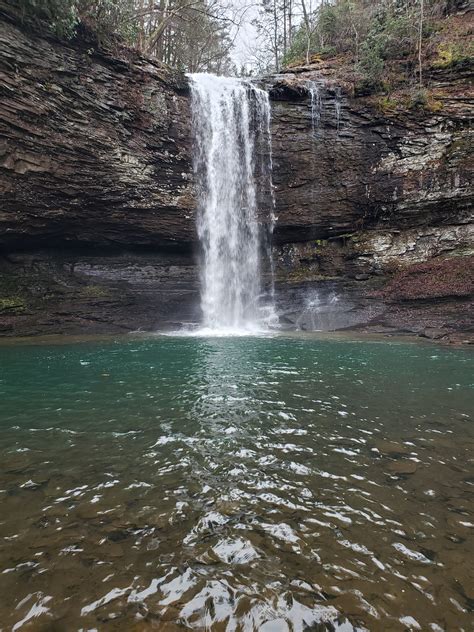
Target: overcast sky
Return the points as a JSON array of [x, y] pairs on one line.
[[247, 37]]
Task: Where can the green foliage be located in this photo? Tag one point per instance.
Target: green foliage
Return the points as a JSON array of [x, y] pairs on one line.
[[336, 25], [419, 98], [423, 99], [372, 35], [60, 16], [297, 52], [192, 36], [109, 17], [371, 64], [450, 54], [386, 104], [330, 20]]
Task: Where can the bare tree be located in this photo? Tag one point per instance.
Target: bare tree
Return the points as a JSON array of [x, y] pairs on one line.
[[192, 34], [308, 29], [420, 41]]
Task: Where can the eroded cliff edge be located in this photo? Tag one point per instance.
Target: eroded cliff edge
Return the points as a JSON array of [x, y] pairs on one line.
[[97, 221]]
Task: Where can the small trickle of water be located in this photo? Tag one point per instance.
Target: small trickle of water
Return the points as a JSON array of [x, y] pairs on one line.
[[337, 106], [230, 117], [320, 312], [316, 105], [263, 115]]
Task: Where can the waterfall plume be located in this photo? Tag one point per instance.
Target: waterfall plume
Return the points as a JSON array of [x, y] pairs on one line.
[[230, 121]]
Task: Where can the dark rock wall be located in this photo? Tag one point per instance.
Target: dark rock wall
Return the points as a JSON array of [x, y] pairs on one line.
[[94, 149], [394, 171], [84, 291], [97, 219], [366, 194], [97, 208]]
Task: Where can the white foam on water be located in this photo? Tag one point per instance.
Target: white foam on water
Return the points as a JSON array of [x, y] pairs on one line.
[[221, 332]]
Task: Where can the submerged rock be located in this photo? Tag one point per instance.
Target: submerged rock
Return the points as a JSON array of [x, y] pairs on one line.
[[392, 448], [403, 467]]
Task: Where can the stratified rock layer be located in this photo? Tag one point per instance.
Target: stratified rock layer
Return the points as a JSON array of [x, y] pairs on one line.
[[364, 193], [365, 170], [95, 150]]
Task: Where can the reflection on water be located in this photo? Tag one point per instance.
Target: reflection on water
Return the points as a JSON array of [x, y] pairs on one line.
[[236, 484]]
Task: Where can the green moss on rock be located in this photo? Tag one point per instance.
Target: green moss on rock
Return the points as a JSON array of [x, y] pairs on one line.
[[95, 291], [12, 303]]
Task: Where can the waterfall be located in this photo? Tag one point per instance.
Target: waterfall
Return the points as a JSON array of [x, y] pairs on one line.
[[314, 90], [337, 106], [316, 105], [231, 120]]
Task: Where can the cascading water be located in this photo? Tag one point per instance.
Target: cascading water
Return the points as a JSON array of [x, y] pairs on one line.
[[316, 105], [314, 90], [230, 118], [337, 106]]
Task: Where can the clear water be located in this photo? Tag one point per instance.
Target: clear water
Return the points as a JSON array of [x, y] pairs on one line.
[[230, 117], [236, 484]]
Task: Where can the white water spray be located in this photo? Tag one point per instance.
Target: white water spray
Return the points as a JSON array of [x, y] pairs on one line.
[[230, 118], [316, 105], [338, 106]]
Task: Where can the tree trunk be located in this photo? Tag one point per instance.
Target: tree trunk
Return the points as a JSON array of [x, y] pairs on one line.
[[420, 42], [275, 35], [308, 30]]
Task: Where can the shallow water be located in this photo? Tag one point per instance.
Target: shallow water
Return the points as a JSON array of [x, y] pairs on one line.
[[236, 484]]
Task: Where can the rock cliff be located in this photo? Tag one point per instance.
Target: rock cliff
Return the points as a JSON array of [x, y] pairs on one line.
[[97, 213], [97, 221], [95, 149], [367, 191]]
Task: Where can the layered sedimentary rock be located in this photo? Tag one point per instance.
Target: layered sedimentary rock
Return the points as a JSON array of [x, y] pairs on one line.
[[97, 208], [97, 220], [368, 192], [95, 149], [366, 169]]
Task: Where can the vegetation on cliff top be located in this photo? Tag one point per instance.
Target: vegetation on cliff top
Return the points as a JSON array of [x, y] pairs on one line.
[[376, 44], [384, 43], [191, 35]]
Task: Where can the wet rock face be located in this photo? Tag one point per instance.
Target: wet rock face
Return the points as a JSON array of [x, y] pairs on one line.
[[74, 291], [363, 170], [362, 194], [95, 150]]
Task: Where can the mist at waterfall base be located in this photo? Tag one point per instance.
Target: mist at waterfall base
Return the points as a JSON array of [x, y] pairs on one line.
[[231, 122]]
